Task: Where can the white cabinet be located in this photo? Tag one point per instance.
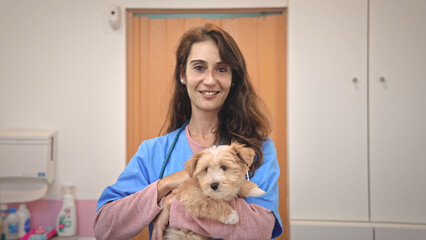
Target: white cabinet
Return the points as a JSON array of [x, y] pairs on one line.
[[327, 103], [397, 85], [357, 111]]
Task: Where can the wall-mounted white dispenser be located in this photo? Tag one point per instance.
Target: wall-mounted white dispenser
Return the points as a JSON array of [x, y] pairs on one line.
[[114, 16], [27, 164]]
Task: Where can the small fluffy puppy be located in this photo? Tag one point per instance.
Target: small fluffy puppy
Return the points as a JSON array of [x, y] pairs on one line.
[[217, 175]]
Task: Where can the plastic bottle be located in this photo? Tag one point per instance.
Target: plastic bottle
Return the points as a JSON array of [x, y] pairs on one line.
[[12, 224], [3, 214], [24, 220], [67, 219]]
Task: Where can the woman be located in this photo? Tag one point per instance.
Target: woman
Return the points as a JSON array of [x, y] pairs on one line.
[[213, 103]]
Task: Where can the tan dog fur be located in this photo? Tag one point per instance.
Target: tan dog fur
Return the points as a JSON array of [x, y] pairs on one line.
[[226, 166]]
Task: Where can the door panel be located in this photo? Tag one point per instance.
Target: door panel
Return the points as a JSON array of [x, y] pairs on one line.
[[328, 165], [397, 111]]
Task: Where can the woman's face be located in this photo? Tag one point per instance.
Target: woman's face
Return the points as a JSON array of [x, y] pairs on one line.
[[207, 79]]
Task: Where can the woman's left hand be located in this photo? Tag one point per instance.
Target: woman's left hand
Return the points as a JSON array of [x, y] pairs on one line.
[[168, 183]]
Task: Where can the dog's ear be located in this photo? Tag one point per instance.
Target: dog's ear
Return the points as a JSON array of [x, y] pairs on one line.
[[191, 164], [244, 154]]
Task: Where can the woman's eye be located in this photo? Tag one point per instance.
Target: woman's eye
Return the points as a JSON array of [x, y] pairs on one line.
[[199, 68], [222, 69], [223, 168]]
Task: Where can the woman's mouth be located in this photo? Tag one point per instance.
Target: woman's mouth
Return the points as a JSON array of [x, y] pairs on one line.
[[209, 93]]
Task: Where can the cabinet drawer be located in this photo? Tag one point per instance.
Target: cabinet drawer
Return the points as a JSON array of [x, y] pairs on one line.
[[325, 231], [395, 233]]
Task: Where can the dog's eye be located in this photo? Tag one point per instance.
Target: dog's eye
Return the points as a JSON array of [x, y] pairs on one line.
[[207, 169], [223, 168]]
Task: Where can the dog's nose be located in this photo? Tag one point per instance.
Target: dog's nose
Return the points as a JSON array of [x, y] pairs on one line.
[[214, 186]]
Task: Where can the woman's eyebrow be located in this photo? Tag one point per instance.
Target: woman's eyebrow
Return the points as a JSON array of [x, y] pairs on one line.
[[197, 61], [202, 61]]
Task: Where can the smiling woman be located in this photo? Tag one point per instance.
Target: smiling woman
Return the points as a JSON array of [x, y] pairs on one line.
[[226, 118], [263, 43]]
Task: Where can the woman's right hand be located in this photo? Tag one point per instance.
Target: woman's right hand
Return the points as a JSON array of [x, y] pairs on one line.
[[160, 224], [162, 219], [168, 183]]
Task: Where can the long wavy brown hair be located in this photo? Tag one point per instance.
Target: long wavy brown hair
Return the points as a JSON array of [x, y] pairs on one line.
[[243, 117]]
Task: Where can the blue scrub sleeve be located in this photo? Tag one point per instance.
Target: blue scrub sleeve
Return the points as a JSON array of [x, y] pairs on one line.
[[131, 180], [266, 177]]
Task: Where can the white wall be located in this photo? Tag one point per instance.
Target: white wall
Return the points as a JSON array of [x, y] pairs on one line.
[[62, 67]]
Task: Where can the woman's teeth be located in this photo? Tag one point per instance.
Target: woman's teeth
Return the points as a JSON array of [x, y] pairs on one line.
[[209, 93]]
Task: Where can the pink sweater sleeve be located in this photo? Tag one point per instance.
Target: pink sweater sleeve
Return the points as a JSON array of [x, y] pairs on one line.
[[255, 222], [126, 217]]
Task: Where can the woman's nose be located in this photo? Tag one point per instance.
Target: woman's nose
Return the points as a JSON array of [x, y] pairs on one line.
[[210, 78]]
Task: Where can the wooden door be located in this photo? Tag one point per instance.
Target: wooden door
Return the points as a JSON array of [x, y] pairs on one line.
[[151, 43]]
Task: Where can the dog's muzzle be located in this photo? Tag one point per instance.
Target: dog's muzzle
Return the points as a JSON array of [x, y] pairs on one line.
[[214, 186]]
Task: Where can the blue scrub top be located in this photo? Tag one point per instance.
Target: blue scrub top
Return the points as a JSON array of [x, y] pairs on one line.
[[145, 166]]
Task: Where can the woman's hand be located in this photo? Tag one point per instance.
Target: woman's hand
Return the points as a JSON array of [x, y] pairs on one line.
[[168, 183], [162, 219], [160, 224], [164, 186]]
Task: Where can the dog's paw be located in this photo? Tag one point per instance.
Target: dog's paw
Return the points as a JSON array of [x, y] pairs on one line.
[[232, 218], [256, 192]]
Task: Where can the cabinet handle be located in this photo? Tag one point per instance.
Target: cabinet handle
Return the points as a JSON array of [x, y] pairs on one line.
[[355, 80], [382, 79]]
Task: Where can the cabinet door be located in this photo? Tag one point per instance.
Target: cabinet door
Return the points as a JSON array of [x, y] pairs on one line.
[[397, 85], [327, 111]]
